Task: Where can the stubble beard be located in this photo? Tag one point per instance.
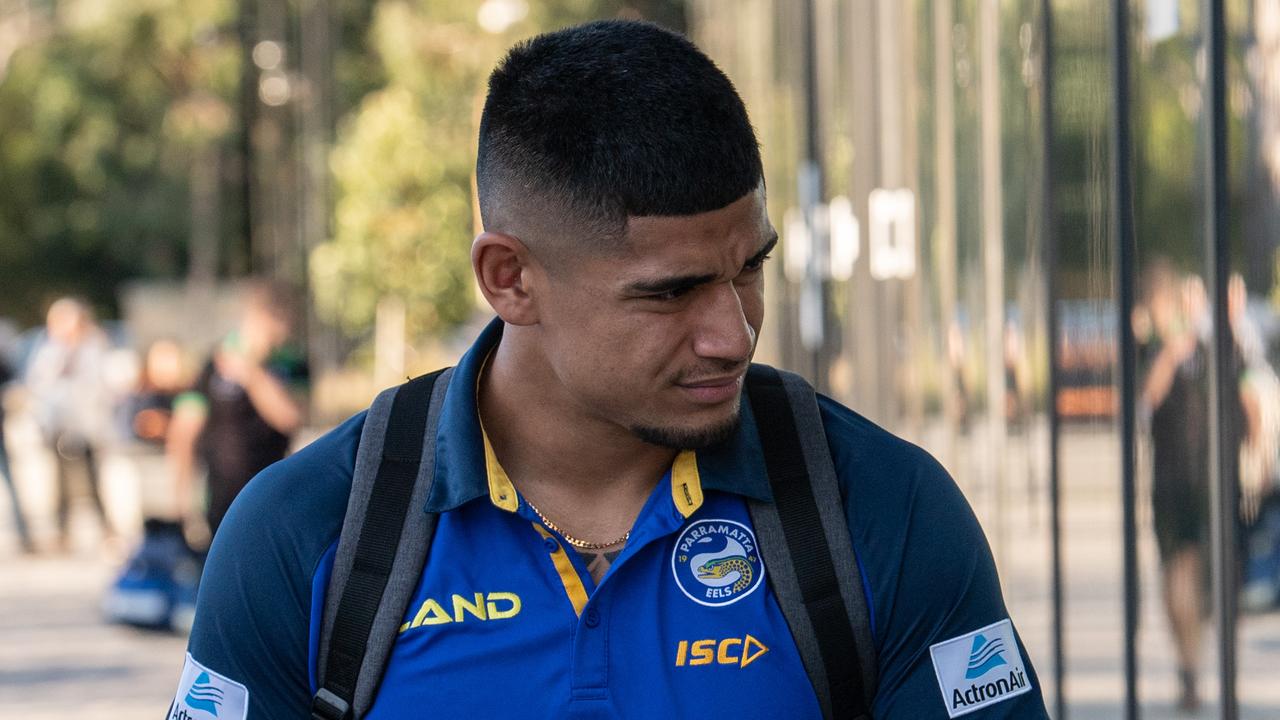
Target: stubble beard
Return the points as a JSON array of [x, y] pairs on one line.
[[681, 438]]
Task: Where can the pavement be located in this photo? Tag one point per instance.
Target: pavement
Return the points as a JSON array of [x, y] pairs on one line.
[[57, 655], [1093, 589], [59, 659]]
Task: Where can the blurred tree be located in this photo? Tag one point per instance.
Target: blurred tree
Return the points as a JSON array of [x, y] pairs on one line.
[[118, 145], [402, 167], [99, 122], [120, 155]]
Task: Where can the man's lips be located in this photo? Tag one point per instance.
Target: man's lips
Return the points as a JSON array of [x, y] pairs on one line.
[[714, 390]]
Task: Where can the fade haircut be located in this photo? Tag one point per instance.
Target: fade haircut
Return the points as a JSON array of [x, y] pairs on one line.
[[592, 124]]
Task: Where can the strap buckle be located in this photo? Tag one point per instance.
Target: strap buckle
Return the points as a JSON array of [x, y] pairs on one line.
[[326, 705]]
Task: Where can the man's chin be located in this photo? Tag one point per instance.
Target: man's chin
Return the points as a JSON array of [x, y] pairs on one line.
[[687, 438]]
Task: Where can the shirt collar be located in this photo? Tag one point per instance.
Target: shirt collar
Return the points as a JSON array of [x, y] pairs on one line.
[[464, 470]]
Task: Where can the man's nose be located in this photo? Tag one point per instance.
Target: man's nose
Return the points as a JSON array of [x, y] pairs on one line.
[[723, 332]]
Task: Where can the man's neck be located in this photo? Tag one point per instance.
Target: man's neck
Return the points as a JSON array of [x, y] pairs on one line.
[[589, 475]]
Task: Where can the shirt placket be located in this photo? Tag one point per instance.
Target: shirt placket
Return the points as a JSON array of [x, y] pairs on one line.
[[590, 661]]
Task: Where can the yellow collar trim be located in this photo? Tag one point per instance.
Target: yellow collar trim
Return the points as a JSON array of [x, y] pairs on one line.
[[501, 492], [686, 483]]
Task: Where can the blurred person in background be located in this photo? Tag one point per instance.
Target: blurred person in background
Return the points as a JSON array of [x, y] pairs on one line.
[[146, 414], [244, 408], [1259, 500], [1173, 326], [25, 544], [1175, 399], [157, 584], [71, 403], [1260, 403]]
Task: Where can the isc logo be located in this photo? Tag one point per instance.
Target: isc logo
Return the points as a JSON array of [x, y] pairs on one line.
[[730, 651], [493, 606]]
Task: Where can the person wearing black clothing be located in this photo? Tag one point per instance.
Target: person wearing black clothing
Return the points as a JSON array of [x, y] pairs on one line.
[[242, 412], [1175, 396]]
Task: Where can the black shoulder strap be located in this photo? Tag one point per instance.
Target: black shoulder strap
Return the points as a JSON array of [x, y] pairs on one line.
[[375, 522], [804, 539]]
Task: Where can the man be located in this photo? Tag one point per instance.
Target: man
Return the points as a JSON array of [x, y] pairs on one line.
[[1173, 328], [71, 404], [593, 456], [244, 408]]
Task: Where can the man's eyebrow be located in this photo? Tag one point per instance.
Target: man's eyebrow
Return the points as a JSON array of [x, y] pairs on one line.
[[684, 282], [668, 284], [768, 248]]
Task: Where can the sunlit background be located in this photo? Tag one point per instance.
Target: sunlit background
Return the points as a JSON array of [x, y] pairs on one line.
[[947, 194]]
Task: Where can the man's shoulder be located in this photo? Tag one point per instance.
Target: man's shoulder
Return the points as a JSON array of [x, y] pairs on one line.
[[869, 451], [894, 491]]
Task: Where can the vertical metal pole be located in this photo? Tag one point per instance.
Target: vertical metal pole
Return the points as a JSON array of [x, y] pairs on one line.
[[944, 141], [1222, 454], [812, 184], [863, 326], [892, 132], [277, 222], [314, 117], [1125, 250], [247, 29], [993, 260], [1049, 238]]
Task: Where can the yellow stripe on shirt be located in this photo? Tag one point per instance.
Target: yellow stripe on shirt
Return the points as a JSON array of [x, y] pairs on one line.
[[568, 575]]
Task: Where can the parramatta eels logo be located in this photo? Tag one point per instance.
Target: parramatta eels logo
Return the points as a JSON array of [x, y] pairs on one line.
[[716, 562]]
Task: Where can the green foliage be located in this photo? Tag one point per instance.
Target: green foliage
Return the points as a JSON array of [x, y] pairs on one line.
[[401, 219], [110, 107], [402, 173], [98, 124], [402, 166]]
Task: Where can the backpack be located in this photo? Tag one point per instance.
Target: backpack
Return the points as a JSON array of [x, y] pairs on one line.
[[802, 535], [156, 589]]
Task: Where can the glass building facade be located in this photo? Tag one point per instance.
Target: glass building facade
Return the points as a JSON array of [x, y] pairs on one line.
[[997, 217]]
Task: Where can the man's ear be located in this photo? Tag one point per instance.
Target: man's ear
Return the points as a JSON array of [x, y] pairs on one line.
[[502, 266]]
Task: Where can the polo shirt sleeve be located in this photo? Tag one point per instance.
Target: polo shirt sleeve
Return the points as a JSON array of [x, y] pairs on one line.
[[250, 638], [938, 614]]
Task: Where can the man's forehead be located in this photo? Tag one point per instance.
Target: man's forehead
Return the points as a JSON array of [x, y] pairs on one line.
[[744, 221]]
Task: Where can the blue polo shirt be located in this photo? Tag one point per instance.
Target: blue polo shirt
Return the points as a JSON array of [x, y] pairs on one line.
[[507, 622]]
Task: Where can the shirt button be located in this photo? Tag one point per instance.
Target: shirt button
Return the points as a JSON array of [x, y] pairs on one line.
[[592, 618], [550, 544]]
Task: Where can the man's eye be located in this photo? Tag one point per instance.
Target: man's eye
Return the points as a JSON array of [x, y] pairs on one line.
[[756, 263], [670, 295]]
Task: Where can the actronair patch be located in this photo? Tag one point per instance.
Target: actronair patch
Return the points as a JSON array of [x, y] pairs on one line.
[[205, 695], [980, 669]]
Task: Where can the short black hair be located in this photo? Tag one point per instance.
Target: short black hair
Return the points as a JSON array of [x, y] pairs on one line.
[[610, 120]]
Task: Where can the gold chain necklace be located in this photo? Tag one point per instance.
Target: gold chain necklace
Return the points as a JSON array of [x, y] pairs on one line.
[[581, 544]]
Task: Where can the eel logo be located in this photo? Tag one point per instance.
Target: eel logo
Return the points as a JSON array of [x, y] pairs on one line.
[[204, 695], [985, 655], [731, 651], [715, 562]]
